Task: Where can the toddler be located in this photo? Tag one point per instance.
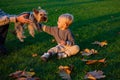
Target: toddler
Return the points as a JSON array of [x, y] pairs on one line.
[[66, 46]]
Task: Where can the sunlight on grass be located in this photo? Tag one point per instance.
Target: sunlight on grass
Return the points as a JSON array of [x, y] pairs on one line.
[[94, 20]]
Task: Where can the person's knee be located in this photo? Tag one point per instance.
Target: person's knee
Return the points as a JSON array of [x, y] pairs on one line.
[[73, 50], [76, 48]]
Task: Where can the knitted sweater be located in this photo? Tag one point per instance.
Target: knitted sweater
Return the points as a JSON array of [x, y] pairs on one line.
[[59, 35]]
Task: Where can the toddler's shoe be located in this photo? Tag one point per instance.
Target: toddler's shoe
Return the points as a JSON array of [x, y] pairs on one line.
[[45, 56], [62, 55]]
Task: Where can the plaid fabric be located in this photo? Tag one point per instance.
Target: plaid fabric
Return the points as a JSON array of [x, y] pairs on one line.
[[2, 13]]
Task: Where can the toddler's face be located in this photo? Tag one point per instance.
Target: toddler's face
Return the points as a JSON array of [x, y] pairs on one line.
[[62, 23]]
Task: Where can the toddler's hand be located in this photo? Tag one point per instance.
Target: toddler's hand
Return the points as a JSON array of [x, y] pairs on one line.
[[62, 42]]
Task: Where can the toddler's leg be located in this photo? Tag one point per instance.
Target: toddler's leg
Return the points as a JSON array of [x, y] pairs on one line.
[[73, 50], [69, 52], [62, 55], [52, 51], [45, 56]]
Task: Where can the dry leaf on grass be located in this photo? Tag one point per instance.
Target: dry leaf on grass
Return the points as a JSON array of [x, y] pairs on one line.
[[94, 61], [94, 75], [102, 44], [23, 78], [88, 52], [65, 71], [16, 74], [24, 75], [34, 55], [53, 40]]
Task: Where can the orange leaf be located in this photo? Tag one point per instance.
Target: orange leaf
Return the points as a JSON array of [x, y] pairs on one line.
[[87, 50], [104, 43], [94, 75], [91, 77], [101, 60], [64, 72], [34, 55], [91, 61]]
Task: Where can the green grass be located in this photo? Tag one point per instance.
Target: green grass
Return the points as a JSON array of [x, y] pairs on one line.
[[94, 20]]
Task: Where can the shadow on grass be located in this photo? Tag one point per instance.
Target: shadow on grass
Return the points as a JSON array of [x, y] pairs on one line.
[[60, 3], [15, 44], [109, 18]]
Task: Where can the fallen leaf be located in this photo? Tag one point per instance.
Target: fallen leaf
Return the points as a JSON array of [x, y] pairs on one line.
[[94, 75], [88, 52], [94, 61], [65, 71], [102, 60], [28, 74], [91, 77], [24, 75], [103, 43], [23, 78], [91, 61], [53, 40], [34, 55], [16, 74]]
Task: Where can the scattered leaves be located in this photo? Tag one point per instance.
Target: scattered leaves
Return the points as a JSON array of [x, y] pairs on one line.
[[94, 75], [24, 75], [65, 71], [88, 52], [102, 44], [94, 61]]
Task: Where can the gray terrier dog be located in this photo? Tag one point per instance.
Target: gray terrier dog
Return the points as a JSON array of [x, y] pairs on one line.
[[37, 16]]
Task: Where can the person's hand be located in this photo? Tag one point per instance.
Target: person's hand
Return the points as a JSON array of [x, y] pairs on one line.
[[62, 42], [22, 18]]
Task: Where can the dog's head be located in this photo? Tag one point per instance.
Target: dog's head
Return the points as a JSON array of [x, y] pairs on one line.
[[40, 15]]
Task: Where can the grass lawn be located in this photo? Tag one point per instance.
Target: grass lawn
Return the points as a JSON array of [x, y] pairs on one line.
[[94, 20]]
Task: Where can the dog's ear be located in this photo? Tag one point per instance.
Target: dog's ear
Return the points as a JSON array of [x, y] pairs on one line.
[[35, 11]]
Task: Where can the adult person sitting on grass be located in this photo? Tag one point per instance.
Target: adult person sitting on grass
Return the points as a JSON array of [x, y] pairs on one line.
[[5, 19]]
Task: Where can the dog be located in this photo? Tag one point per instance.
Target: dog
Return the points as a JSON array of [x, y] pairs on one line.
[[37, 17]]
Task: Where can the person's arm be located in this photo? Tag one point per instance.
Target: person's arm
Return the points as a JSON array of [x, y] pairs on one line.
[[6, 19]]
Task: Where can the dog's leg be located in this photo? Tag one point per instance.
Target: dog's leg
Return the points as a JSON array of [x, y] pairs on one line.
[[19, 31], [31, 29]]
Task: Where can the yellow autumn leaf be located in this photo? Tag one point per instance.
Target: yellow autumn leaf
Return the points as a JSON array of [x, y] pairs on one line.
[[30, 74], [66, 69], [102, 60], [91, 61], [91, 77], [34, 55], [104, 43], [64, 72], [87, 50]]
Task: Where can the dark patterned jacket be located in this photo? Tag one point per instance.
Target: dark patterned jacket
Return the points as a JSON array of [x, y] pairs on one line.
[[6, 18]]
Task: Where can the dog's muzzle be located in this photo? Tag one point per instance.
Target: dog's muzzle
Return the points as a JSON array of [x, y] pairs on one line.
[[44, 18]]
